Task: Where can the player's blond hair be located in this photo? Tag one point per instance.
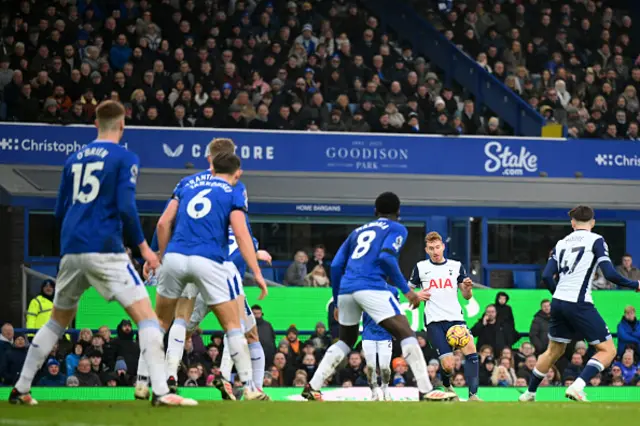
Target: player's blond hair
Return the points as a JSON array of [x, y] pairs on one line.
[[219, 145], [432, 237], [109, 114]]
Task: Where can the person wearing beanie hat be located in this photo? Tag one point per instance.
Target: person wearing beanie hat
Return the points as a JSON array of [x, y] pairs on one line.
[[307, 39], [53, 377]]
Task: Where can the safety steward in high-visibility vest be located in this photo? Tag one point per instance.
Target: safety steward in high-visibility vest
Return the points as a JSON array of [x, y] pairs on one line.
[[40, 307]]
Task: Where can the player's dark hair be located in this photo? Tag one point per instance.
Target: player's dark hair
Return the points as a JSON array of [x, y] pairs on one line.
[[627, 255], [387, 203], [581, 213], [226, 163], [544, 301]]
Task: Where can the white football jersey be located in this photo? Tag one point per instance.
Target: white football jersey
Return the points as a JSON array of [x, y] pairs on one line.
[[442, 280], [578, 256]]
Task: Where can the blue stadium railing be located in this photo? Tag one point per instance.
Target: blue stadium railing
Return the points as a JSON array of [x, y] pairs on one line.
[[430, 43]]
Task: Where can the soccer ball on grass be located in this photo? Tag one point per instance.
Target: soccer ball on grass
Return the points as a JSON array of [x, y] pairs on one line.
[[458, 336]]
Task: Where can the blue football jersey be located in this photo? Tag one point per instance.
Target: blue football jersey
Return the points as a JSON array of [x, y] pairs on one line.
[[202, 222], [362, 249], [373, 331], [97, 199], [234, 252]]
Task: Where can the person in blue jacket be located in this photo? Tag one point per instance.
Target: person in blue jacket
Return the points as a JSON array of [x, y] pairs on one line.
[[53, 377], [14, 360], [120, 52], [628, 332]]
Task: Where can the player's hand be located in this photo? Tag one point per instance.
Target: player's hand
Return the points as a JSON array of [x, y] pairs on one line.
[[260, 282], [335, 314], [152, 261], [413, 298], [264, 256], [424, 295], [467, 283]]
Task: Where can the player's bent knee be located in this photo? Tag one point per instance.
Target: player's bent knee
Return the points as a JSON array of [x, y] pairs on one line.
[[227, 314]]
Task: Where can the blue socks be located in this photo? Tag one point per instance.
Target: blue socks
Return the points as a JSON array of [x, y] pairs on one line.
[[471, 373], [536, 378]]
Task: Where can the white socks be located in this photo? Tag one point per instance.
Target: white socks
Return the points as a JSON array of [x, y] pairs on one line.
[[257, 363], [413, 355], [332, 358], [40, 348], [226, 363], [175, 347], [239, 353], [150, 336]]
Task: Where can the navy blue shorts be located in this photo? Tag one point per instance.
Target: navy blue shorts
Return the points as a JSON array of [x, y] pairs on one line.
[[576, 321], [437, 336]]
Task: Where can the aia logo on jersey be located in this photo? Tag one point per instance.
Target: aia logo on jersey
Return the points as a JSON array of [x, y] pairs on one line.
[[439, 283]]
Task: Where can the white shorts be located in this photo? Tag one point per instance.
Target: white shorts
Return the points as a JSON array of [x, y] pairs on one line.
[[190, 291], [211, 278], [382, 349], [236, 279], [111, 274], [379, 304]]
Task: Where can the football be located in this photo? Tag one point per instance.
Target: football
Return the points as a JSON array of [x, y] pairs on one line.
[[458, 336]]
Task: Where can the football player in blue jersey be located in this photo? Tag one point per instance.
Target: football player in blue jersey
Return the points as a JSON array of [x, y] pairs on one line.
[[359, 280], [185, 310], [197, 251], [96, 200], [377, 345], [575, 260]]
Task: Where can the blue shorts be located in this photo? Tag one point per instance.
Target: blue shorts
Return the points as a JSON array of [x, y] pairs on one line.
[[437, 336], [576, 321]]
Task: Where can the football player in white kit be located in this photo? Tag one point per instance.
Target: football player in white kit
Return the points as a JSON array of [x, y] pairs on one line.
[[575, 260], [439, 278]]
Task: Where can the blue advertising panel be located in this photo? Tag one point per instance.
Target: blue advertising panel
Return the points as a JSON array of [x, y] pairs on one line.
[[340, 152]]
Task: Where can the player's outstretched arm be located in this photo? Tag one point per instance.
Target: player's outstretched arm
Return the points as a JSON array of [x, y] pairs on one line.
[[61, 201], [465, 283], [165, 226], [247, 248], [390, 266]]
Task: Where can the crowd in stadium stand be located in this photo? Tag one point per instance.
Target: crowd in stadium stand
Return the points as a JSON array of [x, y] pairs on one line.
[[99, 359], [312, 65], [575, 61], [306, 65]]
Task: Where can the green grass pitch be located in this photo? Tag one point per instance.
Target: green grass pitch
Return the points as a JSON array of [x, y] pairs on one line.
[[319, 413]]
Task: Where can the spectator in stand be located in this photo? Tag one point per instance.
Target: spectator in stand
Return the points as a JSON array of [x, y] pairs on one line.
[[574, 368], [628, 332], [317, 277], [72, 360], [53, 377], [627, 269], [353, 372], [490, 331], [297, 271], [539, 330], [124, 346], [265, 332], [320, 338], [295, 346], [501, 377], [39, 310], [14, 360], [628, 367], [486, 371], [6, 340], [86, 377]]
